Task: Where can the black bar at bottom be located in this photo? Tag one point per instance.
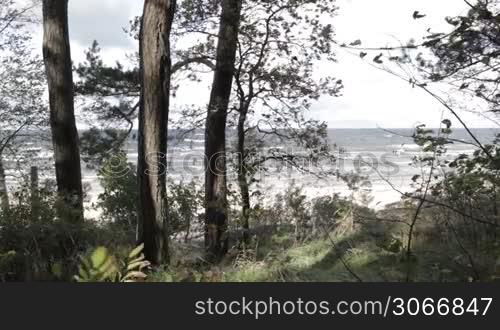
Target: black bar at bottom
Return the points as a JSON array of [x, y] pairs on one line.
[[188, 305]]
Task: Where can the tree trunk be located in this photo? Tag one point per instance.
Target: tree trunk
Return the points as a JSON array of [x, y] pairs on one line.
[[57, 58], [34, 193], [242, 177], [216, 215], [153, 124], [188, 231], [4, 193]]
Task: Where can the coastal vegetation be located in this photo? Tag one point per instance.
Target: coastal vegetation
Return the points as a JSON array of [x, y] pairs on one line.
[[264, 60]]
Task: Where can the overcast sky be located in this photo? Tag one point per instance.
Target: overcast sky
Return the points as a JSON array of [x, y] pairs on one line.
[[371, 97]]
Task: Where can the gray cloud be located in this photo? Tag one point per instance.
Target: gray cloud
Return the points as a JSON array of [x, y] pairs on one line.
[[371, 97], [101, 20]]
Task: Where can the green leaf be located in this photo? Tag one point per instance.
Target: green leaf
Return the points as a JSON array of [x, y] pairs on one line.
[[134, 275], [137, 265], [99, 257], [135, 252], [447, 122], [355, 43], [377, 59]]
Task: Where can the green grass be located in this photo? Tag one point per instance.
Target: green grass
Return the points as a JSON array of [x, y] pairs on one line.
[[279, 259], [319, 261]]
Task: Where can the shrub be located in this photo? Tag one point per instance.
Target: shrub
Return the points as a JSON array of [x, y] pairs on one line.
[[184, 204], [38, 236], [324, 211], [102, 266], [47, 245], [119, 200]]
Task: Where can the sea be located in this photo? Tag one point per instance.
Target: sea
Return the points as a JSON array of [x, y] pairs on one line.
[[374, 166]]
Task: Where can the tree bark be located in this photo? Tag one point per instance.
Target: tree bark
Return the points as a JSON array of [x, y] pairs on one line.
[[153, 124], [4, 193], [216, 215], [57, 58], [242, 176], [34, 193]]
